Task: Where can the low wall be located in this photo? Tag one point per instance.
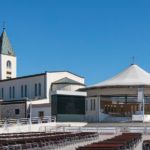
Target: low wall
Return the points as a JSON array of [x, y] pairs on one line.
[[46, 111], [25, 128], [9, 110], [140, 118]]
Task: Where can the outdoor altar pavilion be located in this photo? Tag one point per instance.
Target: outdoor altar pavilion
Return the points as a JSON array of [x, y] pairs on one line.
[[122, 93]]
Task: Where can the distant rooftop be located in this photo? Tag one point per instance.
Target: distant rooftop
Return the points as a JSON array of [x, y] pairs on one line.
[[66, 81]]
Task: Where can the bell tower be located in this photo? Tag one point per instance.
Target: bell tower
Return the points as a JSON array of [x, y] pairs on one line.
[[7, 58]]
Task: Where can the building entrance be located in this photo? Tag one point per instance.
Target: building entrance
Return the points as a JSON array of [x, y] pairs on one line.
[[41, 113]]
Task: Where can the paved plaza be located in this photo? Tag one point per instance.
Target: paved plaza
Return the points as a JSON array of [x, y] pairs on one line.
[[123, 127], [101, 138]]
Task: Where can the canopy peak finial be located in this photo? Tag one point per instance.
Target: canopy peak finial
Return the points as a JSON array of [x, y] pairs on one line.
[[133, 59], [4, 25]]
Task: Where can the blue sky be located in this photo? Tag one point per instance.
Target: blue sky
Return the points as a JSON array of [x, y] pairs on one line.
[[95, 39]]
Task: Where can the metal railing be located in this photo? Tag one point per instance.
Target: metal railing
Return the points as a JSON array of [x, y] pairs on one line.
[[100, 130], [17, 123]]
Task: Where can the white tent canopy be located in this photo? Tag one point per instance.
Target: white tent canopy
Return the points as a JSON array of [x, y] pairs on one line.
[[132, 76]]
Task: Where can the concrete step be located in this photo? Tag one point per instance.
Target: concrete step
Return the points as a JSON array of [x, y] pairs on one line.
[[118, 119]]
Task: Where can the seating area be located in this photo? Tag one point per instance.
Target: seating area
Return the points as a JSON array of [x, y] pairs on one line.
[[36, 140], [146, 145], [120, 142]]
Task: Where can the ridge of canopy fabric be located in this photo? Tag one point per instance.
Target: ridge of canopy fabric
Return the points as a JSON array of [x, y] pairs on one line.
[[132, 76]]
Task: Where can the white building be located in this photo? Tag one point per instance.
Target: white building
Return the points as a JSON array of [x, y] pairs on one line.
[[52, 88]]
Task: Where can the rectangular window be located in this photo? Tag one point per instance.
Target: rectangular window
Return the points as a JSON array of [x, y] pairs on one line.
[[91, 104], [108, 108], [25, 90], [86, 104], [10, 92], [135, 109], [39, 88], [13, 92], [131, 109], [35, 89], [17, 111], [105, 108], [114, 108], [145, 110], [21, 90], [121, 108], [2, 92], [8, 72]]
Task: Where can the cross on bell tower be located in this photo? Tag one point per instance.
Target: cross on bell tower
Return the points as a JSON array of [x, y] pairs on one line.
[[4, 25]]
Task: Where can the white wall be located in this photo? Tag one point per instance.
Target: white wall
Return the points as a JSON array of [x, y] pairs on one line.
[[90, 112], [54, 76], [46, 110], [3, 66], [18, 82], [44, 79]]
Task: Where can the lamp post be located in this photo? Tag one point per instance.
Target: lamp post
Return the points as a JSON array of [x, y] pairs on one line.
[[31, 111]]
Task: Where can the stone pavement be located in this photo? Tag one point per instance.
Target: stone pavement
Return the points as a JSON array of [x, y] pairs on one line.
[[72, 147], [122, 126], [101, 138], [125, 124], [145, 137]]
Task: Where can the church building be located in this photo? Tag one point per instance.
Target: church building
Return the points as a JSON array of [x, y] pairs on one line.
[[52, 92]]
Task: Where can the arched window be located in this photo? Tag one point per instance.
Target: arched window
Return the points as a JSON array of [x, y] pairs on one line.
[[8, 64], [39, 88], [21, 90], [35, 89], [25, 90], [13, 92], [10, 92]]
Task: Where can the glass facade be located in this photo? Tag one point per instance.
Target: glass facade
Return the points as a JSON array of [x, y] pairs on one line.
[[68, 108]]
